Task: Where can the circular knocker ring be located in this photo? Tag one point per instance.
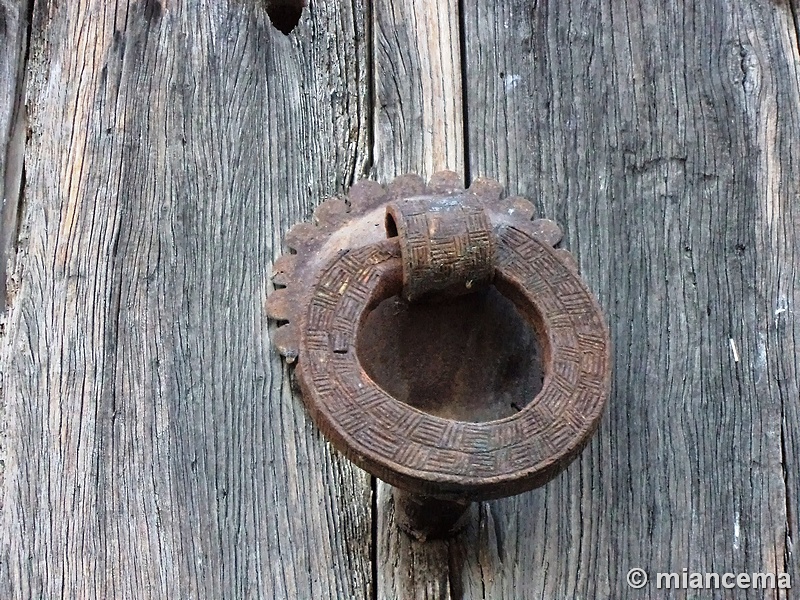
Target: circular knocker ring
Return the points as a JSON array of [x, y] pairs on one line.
[[443, 243]]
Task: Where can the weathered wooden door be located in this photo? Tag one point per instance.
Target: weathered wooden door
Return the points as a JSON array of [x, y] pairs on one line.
[[155, 152]]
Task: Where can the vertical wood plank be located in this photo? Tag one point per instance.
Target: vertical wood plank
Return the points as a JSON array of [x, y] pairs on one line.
[[418, 100], [665, 138], [13, 48], [778, 266], [156, 449], [419, 128]]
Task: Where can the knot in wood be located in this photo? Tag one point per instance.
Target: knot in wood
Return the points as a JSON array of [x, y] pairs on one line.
[[447, 245]]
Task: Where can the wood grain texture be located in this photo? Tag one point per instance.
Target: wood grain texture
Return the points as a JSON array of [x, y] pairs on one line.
[[13, 48], [418, 127], [664, 138], [155, 447], [156, 450], [418, 100]]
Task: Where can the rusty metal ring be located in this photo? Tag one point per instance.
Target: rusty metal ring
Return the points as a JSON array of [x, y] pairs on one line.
[[426, 454], [344, 266]]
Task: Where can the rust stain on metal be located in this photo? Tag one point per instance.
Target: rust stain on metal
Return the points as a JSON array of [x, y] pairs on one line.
[[516, 366], [447, 245]]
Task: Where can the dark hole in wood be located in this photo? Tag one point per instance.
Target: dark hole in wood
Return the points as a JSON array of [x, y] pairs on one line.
[[285, 14], [473, 358]]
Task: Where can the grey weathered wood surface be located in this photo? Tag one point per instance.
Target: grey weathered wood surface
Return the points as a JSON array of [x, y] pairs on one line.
[[665, 137], [154, 446], [13, 47]]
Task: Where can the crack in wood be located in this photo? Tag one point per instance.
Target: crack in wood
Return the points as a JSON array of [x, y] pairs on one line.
[[16, 33]]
